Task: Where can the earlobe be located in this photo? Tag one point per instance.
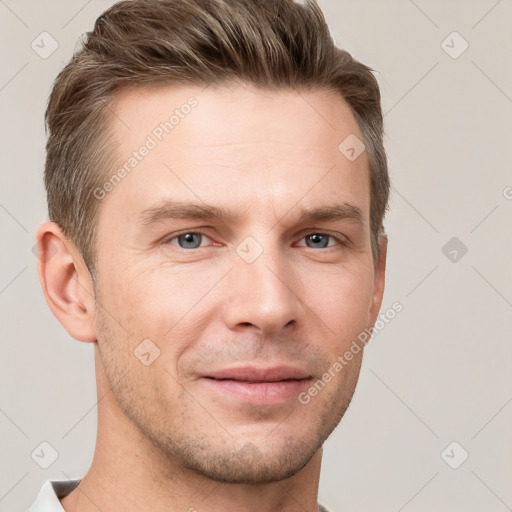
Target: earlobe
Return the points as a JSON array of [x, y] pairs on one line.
[[66, 282]]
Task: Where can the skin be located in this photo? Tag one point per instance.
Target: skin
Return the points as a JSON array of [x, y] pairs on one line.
[[166, 440]]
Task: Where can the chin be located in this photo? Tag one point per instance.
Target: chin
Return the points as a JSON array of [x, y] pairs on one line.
[[231, 460]]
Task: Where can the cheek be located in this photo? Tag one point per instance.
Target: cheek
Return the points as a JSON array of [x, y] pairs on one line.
[[342, 299], [164, 304]]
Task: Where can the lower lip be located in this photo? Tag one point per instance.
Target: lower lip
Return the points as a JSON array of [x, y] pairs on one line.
[[260, 392]]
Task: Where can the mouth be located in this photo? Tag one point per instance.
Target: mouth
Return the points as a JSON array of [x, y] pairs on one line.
[[259, 374], [265, 386]]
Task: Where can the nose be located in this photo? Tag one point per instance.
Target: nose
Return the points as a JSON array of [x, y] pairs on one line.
[[262, 295]]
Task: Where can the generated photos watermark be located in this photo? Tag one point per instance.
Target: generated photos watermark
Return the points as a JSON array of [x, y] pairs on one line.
[[152, 140], [342, 360]]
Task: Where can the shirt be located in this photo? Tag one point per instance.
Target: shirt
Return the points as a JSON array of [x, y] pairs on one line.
[[48, 498]]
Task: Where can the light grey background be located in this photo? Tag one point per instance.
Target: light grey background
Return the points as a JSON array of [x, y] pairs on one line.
[[439, 372]]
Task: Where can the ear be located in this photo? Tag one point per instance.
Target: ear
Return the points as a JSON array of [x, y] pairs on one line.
[[378, 281], [66, 282]]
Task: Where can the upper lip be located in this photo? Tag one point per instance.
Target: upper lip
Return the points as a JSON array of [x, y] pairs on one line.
[[258, 374]]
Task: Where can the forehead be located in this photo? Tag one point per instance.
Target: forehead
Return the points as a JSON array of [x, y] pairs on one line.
[[229, 105], [234, 144]]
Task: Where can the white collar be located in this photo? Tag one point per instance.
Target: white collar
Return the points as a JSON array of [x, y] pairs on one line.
[[48, 498]]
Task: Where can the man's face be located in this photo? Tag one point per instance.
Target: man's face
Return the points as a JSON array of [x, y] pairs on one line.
[[223, 300]]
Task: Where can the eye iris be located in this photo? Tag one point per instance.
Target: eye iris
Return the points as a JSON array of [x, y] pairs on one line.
[[189, 239], [315, 238]]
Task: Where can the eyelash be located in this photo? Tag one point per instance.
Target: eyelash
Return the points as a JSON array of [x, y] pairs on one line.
[[167, 241]]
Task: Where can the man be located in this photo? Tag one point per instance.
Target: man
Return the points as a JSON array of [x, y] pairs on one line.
[[216, 184]]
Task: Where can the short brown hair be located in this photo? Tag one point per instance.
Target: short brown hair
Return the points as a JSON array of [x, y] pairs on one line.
[[271, 44]]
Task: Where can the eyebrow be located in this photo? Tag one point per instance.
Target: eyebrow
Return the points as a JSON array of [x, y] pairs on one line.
[[186, 210]]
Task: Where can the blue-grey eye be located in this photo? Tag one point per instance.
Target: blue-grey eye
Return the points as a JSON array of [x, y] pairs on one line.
[[190, 239], [318, 238]]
